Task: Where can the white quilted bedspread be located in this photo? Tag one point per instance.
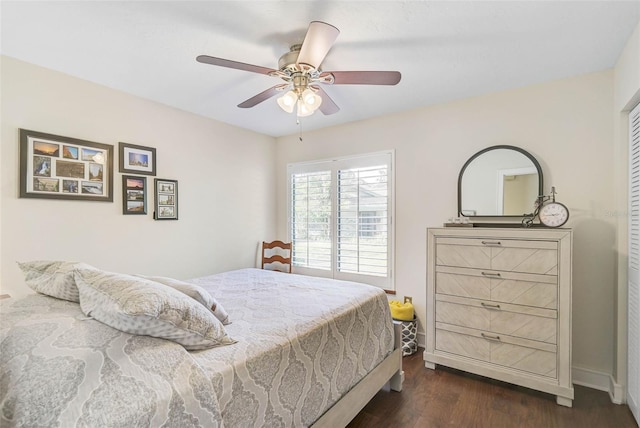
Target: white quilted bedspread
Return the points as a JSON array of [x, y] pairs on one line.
[[302, 343]]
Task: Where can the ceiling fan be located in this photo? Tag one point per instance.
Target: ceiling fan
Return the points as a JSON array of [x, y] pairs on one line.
[[300, 70]]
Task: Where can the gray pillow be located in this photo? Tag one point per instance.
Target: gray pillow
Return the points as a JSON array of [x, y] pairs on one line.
[[195, 292], [139, 306], [53, 278]]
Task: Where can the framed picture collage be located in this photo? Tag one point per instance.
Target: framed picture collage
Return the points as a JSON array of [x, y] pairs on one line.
[[57, 167]]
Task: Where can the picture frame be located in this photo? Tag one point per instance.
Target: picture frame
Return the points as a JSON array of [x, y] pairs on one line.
[[57, 167], [166, 201], [134, 195], [134, 159]]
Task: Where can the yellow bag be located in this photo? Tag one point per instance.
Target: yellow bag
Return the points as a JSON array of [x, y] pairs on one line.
[[401, 311]]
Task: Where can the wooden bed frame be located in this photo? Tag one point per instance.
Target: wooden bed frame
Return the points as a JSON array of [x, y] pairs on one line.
[[388, 371]]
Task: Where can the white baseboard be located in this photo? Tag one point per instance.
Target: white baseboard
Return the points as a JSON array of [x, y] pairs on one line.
[[600, 381], [616, 392]]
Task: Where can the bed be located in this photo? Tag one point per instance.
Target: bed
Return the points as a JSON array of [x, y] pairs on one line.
[[307, 351]]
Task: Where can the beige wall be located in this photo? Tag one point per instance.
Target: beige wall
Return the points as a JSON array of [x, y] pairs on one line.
[[626, 96], [567, 125], [225, 174]]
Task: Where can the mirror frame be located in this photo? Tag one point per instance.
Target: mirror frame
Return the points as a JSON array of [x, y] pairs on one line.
[[488, 149]]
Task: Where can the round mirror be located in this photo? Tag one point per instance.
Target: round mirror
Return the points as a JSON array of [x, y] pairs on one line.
[[499, 181]]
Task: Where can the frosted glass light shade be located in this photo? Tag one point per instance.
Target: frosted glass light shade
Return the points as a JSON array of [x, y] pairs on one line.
[[303, 110], [288, 101], [311, 100]]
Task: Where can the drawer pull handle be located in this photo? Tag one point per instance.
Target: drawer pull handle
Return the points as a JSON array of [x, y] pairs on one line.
[[491, 243], [491, 337], [496, 274], [489, 306]]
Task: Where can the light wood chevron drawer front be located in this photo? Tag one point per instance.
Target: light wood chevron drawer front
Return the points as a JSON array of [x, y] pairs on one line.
[[513, 320], [498, 351], [508, 287], [499, 305], [539, 257]]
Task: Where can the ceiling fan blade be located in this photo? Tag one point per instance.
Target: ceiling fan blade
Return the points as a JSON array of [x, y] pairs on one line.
[[328, 106], [262, 96], [206, 59], [364, 77], [317, 42]]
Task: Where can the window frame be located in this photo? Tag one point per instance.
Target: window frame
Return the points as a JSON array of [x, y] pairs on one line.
[[334, 165]]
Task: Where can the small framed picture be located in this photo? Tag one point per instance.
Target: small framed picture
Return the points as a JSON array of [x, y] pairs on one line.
[[56, 167], [166, 203], [134, 194], [137, 159]]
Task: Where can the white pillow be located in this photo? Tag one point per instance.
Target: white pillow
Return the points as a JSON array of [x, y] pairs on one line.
[[140, 306], [53, 278], [195, 292]]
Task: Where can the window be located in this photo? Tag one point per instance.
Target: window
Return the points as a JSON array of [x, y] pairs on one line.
[[340, 220], [368, 222]]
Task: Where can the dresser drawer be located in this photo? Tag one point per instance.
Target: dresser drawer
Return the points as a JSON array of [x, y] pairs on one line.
[[509, 255], [507, 287], [539, 359], [504, 319]]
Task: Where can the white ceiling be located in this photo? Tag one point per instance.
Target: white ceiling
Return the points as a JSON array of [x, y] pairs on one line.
[[445, 50]]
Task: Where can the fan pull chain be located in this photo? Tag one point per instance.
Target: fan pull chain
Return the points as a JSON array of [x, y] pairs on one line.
[[300, 128]]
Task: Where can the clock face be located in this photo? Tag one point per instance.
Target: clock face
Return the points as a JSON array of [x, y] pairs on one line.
[[553, 214]]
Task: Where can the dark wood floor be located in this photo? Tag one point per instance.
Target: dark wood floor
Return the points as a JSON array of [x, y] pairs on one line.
[[450, 398]]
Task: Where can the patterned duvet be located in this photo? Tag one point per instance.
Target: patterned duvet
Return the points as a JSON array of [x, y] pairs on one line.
[[302, 343]]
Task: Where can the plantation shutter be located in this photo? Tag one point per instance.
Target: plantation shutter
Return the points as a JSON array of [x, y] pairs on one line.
[[311, 219], [340, 218], [633, 355], [363, 220]]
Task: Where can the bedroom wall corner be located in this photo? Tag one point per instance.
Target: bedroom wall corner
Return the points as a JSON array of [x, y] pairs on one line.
[[566, 124], [226, 182], [626, 96]]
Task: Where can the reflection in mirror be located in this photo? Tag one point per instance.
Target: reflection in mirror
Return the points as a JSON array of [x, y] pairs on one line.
[[499, 181]]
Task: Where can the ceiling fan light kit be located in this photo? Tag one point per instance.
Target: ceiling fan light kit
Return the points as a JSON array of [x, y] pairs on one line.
[[308, 101], [300, 69]]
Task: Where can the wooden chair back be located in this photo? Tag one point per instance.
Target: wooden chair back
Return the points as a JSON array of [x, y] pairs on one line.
[[284, 260]]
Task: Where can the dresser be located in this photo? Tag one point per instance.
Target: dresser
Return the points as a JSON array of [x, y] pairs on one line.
[[499, 305]]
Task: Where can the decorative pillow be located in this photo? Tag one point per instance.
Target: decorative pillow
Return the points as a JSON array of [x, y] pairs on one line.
[[195, 292], [53, 278], [140, 306]]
